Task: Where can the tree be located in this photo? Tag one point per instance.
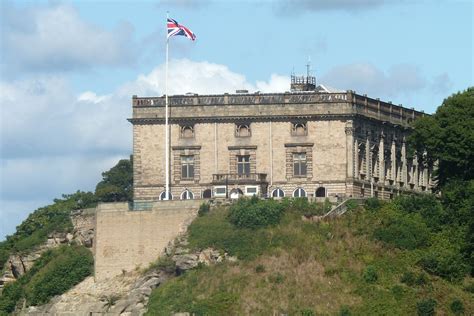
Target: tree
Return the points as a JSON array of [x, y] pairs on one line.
[[448, 137], [117, 183]]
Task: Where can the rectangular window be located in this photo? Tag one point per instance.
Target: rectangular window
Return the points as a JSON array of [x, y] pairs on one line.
[[299, 164], [243, 165], [187, 167]]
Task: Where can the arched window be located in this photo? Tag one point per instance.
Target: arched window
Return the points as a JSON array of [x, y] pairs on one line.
[[278, 193], [242, 130], [299, 192], [321, 192], [187, 131], [187, 195], [163, 195], [236, 193], [299, 129], [207, 194]]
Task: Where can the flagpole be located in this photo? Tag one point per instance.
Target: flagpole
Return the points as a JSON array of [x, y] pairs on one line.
[[167, 145]]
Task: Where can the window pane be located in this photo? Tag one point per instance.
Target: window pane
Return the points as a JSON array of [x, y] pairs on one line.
[[247, 168], [303, 169], [191, 171]]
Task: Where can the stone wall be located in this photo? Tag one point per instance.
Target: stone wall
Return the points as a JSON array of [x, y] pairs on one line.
[[126, 240]]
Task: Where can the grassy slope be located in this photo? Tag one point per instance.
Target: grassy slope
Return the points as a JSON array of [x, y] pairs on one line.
[[308, 267]]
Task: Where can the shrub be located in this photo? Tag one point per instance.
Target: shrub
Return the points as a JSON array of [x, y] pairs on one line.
[[457, 307], [373, 204], [11, 294], [469, 288], [422, 279], [307, 312], [204, 209], [260, 268], [164, 263], [351, 205], [408, 278], [426, 307], [68, 266], [214, 230], [370, 274], [345, 311], [427, 206], [405, 231], [254, 213], [446, 264]]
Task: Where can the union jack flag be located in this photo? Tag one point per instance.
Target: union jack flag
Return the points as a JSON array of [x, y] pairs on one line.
[[174, 28]]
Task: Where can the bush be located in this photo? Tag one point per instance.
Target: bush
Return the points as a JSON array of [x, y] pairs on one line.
[[446, 264], [204, 209], [307, 312], [68, 265], [457, 307], [370, 274], [55, 272], [164, 263], [408, 278], [373, 204], [345, 311], [405, 231], [260, 268], [427, 206], [469, 288], [254, 213], [426, 307], [11, 294], [214, 230]]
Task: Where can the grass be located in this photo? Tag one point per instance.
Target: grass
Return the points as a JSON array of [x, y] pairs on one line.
[[299, 268]]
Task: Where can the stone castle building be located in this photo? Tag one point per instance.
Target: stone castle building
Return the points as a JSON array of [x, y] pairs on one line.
[[311, 141]]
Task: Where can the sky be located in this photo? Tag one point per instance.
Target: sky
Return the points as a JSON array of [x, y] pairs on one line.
[[68, 70]]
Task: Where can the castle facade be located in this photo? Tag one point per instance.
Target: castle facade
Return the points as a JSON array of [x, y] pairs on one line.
[[310, 142]]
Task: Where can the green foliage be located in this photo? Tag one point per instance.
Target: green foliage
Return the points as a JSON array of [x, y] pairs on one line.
[[214, 230], [405, 231], [307, 312], [447, 136], [67, 267], [164, 263], [426, 307], [117, 183], [427, 206], [11, 294], [260, 268], [173, 297], [204, 209], [351, 205], [345, 311], [373, 204], [254, 213], [55, 272], [370, 274], [411, 279], [457, 307], [469, 288], [45, 220]]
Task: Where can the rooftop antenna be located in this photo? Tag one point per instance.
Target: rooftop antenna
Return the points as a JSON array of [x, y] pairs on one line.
[[308, 67]]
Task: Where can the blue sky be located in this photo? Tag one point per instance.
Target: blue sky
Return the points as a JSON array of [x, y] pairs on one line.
[[68, 70]]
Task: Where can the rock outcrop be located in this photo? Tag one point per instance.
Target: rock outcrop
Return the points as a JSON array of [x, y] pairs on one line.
[[128, 294], [83, 233]]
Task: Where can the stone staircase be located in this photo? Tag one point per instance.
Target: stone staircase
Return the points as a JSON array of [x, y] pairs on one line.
[[341, 208]]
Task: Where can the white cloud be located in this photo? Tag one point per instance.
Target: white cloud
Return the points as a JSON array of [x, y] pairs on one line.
[[54, 37], [199, 77]]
